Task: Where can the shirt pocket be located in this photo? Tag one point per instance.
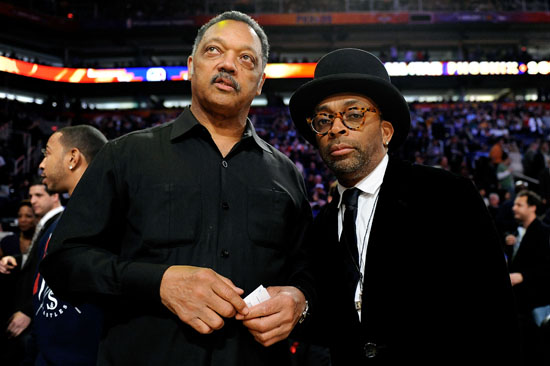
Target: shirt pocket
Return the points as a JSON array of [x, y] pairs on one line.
[[270, 215], [173, 215]]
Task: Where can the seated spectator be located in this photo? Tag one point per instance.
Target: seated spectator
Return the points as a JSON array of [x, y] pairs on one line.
[[494, 204], [15, 246], [504, 174], [18, 243]]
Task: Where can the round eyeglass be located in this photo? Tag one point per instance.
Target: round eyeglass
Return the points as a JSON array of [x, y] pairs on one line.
[[353, 118]]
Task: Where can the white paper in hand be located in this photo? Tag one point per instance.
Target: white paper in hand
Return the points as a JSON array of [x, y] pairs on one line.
[[257, 296]]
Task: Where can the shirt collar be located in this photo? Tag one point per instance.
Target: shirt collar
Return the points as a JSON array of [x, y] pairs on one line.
[[371, 182], [183, 124], [51, 213], [187, 121]]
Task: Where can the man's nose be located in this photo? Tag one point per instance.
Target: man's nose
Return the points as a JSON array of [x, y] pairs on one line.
[[338, 127], [228, 63]]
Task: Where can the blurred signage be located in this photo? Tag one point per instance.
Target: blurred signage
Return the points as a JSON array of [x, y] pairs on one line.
[[273, 70], [465, 68]]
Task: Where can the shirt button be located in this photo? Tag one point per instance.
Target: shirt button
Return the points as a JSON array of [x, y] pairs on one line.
[[224, 253], [224, 163], [225, 205]]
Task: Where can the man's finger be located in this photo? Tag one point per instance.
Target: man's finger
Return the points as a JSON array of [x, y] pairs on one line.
[[212, 319], [230, 283], [200, 326], [264, 322], [17, 331], [270, 337], [228, 293], [263, 309], [11, 328]]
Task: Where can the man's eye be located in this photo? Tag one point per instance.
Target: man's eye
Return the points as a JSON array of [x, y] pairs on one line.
[[212, 49], [354, 115], [248, 59], [323, 121]]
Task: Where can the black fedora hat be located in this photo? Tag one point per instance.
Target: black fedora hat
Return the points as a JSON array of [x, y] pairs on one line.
[[351, 70]]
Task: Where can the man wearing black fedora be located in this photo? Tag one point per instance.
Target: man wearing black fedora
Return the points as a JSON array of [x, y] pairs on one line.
[[407, 260]]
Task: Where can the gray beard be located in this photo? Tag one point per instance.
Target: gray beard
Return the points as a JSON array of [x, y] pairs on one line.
[[352, 164]]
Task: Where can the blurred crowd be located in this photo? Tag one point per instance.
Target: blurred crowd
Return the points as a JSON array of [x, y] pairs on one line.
[[496, 145]]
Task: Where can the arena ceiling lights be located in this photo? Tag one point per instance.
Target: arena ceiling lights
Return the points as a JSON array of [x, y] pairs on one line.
[[273, 71]]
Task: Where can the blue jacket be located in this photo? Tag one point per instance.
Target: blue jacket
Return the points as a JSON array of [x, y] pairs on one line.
[[64, 334]]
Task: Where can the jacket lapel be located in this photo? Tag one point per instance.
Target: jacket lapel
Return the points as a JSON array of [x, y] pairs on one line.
[[387, 233]]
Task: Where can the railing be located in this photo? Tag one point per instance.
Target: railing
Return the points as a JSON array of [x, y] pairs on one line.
[[24, 163], [19, 165]]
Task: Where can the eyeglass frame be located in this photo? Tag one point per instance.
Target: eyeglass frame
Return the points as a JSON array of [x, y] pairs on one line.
[[340, 115]]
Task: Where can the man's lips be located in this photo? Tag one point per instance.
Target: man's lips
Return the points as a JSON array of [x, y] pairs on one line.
[[224, 84], [341, 149]]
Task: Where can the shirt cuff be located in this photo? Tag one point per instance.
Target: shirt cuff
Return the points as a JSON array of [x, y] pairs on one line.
[[143, 280]]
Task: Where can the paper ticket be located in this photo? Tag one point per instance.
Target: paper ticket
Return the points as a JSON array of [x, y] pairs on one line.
[[257, 296]]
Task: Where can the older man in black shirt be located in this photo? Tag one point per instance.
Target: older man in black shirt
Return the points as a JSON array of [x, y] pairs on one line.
[[192, 215]]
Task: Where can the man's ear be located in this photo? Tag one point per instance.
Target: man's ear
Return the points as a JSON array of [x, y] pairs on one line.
[[261, 84], [75, 158], [387, 132], [189, 67]]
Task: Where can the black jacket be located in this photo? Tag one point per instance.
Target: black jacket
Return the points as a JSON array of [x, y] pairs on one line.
[[436, 288], [532, 260]]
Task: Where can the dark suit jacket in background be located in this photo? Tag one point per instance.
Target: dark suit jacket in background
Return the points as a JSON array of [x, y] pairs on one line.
[[436, 290], [532, 260], [25, 281]]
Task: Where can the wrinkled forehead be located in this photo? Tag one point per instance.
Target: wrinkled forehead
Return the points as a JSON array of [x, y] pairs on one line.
[[225, 29]]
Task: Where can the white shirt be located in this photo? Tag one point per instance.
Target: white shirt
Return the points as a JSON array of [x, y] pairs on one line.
[[370, 188], [519, 238]]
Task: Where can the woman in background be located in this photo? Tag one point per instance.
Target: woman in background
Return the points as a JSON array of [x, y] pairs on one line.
[[18, 243]]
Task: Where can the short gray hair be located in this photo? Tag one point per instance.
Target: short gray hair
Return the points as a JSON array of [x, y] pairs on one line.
[[240, 17]]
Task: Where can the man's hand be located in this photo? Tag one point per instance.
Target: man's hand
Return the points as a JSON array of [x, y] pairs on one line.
[[17, 324], [273, 320], [510, 239], [516, 278], [7, 263], [200, 297]]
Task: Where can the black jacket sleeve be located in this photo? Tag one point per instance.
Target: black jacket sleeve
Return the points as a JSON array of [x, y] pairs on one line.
[[84, 258]]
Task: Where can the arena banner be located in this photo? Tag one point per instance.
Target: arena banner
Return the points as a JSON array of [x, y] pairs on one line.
[[332, 18], [362, 18], [491, 17], [273, 70], [350, 18]]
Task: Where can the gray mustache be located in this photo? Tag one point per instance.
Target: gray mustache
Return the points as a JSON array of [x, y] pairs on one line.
[[227, 76]]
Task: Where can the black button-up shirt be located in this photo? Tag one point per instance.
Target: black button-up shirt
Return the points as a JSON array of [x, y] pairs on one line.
[[166, 196]]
